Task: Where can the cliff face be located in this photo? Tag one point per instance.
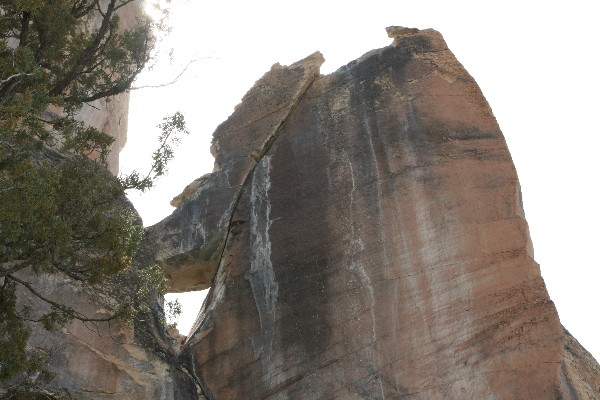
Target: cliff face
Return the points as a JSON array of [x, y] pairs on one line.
[[363, 237], [103, 360], [110, 117]]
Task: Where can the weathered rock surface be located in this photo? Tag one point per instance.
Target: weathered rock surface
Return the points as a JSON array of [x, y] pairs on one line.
[[189, 243], [110, 117], [378, 249], [104, 360]]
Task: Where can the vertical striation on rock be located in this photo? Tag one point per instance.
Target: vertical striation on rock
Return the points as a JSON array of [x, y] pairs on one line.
[[261, 275], [364, 237], [189, 243]]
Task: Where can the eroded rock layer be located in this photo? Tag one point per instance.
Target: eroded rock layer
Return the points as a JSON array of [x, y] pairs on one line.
[[378, 247]]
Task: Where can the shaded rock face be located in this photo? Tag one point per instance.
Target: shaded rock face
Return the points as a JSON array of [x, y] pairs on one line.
[[102, 360], [189, 243], [377, 248]]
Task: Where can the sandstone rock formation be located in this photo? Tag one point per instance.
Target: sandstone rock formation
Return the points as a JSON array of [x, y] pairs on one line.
[[108, 360], [363, 237], [190, 242], [104, 360], [110, 115]]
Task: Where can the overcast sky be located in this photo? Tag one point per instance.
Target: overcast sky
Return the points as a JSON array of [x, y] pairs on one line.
[[535, 62]]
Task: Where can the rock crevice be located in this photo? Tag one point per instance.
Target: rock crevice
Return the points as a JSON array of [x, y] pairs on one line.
[[190, 242]]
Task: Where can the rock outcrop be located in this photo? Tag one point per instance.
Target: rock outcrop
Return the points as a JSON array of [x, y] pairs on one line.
[[363, 237]]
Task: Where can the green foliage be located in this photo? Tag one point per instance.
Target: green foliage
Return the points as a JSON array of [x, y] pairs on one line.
[[64, 211], [171, 127], [172, 312], [61, 212], [15, 334], [65, 54]]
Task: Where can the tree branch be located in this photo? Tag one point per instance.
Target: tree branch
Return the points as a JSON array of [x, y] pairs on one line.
[[90, 53], [61, 307], [14, 76], [183, 71], [10, 267], [8, 189], [25, 19], [112, 91], [123, 4], [80, 9]]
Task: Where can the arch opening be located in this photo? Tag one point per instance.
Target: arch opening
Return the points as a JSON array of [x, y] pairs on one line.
[[191, 303]]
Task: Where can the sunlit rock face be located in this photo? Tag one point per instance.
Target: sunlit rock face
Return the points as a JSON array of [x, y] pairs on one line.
[[109, 116], [373, 247]]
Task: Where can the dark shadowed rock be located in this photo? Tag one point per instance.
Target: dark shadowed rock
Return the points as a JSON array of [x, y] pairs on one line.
[[378, 249]]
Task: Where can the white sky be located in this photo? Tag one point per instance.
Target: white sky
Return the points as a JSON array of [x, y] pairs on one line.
[[535, 61]]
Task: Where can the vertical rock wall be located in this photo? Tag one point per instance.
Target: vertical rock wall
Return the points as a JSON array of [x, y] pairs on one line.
[[110, 115], [103, 360], [375, 246]]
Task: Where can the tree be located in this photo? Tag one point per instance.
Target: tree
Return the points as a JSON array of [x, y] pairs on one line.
[[61, 212]]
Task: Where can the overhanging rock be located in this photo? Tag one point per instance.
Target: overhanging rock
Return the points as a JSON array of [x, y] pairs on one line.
[[190, 242]]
